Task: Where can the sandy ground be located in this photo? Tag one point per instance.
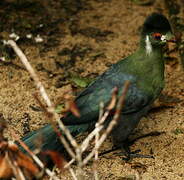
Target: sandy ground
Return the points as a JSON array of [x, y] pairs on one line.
[[85, 38]]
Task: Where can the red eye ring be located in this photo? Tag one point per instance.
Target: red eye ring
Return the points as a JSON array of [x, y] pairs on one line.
[[157, 36]]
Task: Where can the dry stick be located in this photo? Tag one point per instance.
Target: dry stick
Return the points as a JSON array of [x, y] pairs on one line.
[[72, 173], [43, 93], [111, 124], [86, 141], [110, 106], [69, 163], [100, 122], [96, 125], [46, 98], [65, 143], [95, 172], [68, 166], [63, 140], [101, 112], [102, 118], [53, 170]]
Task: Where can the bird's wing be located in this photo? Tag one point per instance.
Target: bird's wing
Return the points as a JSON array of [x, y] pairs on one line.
[[100, 91]]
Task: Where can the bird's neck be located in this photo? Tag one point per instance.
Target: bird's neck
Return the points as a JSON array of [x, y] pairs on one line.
[[148, 66], [152, 59], [148, 49]]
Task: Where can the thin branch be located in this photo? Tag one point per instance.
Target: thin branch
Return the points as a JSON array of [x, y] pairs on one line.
[[111, 124], [86, 141], [43, 93], [50, 109], [69, 163], [95, 172], [72, 173], [102, 117]]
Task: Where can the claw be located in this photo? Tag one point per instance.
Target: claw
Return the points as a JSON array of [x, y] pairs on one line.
[[129, 155], [135, 154]]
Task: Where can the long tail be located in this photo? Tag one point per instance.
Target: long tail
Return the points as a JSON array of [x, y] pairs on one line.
[[49, 139]]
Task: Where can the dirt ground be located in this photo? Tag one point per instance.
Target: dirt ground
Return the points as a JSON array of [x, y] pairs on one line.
[[84, 38]]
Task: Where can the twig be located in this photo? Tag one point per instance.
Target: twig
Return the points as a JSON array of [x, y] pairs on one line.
[[86, 141], [53, 169], [111, 124], [50, 108], [69, 164], [95, 172], [102, 117], [46, 98], [72, 173]]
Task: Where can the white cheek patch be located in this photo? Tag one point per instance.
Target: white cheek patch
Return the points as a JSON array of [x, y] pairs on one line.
[[148, 45], [163, 38]]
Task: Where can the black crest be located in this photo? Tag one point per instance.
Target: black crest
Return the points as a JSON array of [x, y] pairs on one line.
[[156, 23]]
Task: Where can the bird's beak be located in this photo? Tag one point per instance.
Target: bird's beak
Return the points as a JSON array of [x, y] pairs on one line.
[[173, 40], [170, 37]]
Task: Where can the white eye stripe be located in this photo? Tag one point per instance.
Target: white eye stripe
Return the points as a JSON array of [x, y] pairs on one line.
[[148, 45]]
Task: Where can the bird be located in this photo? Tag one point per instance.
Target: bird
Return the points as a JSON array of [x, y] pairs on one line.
[[144, 69]]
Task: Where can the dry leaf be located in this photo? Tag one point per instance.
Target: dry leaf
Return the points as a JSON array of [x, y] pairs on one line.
[[73, 108], [56, 158], [11, 153]]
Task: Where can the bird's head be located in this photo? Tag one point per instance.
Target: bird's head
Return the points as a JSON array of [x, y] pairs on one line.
[[156, 31]]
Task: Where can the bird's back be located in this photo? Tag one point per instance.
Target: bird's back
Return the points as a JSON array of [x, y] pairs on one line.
[[100, 91]]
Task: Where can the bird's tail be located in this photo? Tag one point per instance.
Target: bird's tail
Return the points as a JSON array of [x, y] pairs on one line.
[[49, 139]]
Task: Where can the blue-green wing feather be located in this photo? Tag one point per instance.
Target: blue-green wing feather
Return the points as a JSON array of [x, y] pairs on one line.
[[101, 89]]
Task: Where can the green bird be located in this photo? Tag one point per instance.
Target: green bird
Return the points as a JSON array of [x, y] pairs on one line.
[[145, 71]]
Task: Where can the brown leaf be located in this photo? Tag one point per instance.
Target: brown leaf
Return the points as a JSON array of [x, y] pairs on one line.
[[11, 153], [56, 158], [5, 170], [26, 162], [73, 108]]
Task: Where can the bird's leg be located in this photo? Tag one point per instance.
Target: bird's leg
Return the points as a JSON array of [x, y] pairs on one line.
[[135, 154], [114, 148]]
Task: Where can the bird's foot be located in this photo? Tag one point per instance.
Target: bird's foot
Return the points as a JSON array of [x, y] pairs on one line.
[[129, 155]]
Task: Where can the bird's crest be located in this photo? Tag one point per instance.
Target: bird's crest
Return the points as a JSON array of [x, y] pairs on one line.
[[156, 23]]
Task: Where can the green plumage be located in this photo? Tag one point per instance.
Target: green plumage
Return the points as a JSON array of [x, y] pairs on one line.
[[145, 71]]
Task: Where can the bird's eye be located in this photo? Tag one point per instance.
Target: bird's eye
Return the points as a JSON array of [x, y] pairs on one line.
[[157, 36]]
